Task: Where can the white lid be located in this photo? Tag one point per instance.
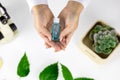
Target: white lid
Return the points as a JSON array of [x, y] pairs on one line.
[[57, 20]]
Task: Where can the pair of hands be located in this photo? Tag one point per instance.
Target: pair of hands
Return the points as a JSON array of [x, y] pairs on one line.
[[69, 18]]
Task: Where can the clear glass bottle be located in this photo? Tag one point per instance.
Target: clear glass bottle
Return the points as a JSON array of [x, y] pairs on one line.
[[55, 29]]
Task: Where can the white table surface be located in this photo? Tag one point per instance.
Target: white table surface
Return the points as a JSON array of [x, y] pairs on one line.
[[29, 41]]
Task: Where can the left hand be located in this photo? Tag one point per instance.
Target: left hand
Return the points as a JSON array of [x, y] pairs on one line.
[[69, 18]]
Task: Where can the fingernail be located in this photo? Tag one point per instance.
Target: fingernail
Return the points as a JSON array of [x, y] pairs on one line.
[[49, 39], [60, 39]]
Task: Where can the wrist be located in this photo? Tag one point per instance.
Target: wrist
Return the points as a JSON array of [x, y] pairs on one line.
[[83, 2], [32, 3], [36, 9], [76, 6]]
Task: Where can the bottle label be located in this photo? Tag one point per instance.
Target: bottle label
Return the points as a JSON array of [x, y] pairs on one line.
[[55, 31]]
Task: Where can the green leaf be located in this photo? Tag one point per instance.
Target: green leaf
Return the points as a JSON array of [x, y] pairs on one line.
[[66, 73], [113, 44], [83, 79], [97, 49], [98, 27], [23, 68], [107, 51], [52, 72], [49, 73]]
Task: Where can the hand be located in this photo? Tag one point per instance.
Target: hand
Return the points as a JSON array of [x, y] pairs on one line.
[[69, 18], [43, 19]]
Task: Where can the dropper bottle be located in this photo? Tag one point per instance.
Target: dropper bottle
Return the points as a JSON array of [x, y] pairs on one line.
[[55, 29]]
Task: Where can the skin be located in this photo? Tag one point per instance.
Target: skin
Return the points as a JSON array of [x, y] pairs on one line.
[[43, 19], [69, 18]]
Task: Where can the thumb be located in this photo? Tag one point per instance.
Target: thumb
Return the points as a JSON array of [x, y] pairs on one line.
[[65, 32], [46, 33]]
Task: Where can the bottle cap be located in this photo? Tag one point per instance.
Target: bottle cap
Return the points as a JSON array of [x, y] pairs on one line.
[[56, 20]]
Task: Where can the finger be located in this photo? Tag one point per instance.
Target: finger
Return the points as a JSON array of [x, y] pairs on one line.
[[49, 25], [52, 44], [65, 32], [44, 37], [68, 38], [61, 46], [58, 47], [46, 33], [61, 29], [47, 45], [63, 42], [62, 25]]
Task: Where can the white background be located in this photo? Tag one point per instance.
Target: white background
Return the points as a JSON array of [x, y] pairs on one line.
[[28, 40]]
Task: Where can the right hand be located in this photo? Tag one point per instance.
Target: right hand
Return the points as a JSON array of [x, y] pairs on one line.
[[43, 19]]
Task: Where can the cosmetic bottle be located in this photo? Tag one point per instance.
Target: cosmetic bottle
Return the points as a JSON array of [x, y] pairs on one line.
[[55, 30]]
